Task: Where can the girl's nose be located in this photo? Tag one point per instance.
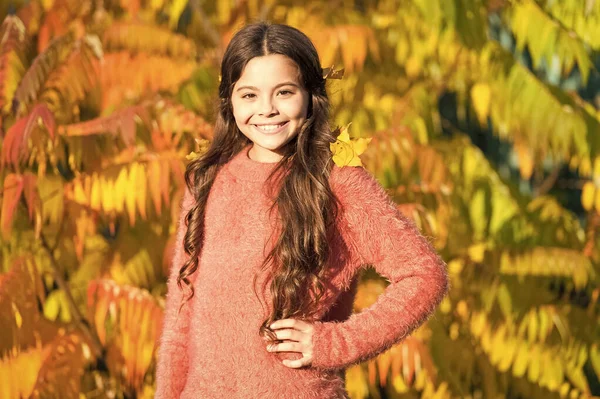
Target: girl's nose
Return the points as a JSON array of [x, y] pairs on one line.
[[266, 107]]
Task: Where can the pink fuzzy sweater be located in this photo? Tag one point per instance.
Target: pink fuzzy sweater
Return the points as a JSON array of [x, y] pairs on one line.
[[212, 348]]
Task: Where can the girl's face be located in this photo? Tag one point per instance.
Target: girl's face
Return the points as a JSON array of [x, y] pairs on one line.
[[269, 104]]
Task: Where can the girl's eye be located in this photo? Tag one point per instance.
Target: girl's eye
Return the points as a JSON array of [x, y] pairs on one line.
[[282, 92]]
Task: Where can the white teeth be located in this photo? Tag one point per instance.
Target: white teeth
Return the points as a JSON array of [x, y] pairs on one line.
[[269, 128]]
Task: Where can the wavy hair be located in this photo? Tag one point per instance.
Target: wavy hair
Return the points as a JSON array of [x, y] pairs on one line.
[[305, 203]]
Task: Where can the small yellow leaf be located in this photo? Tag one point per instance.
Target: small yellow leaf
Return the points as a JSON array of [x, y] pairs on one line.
[[18, 317], [481, 95], [130, 195], [521, 360], [596, 200], [192, 156], [346, 151], [535, 365], [96, 196]]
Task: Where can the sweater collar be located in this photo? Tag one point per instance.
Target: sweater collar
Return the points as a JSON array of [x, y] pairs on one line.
[[245, 168]]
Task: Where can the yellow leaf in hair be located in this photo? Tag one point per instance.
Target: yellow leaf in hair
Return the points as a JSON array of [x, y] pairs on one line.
[[192, 156], [346, 151]]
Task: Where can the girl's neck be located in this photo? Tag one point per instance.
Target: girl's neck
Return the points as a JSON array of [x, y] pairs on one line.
[[245, 168], [259, 154]]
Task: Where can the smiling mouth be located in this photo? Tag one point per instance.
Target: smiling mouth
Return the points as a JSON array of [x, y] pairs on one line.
[[271, 128]]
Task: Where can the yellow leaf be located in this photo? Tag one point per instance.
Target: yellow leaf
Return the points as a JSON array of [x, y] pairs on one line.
[[192, 156], [18, 317], [223, 11], [497, 347], [545, 324], [120, 190], [47, 4], [595, 358], [478, 323], [481, 95], [141, 187], [413, 66], [476, 252], [78, 193], [346, 151], [521, 360], [508, 354], [356, 382], [532, 327], [535, 365], [96, 196], [597, 200], [177, 7], [107, 194], [130, 195]]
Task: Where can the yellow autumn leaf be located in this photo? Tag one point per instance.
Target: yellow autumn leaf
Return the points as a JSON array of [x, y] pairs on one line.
[[596, 200], [121, 188], [535, 360], [96, 195], [130, 195], [17, 313], [141, 186], [521, 360], [175, 12], [532, 327], [346, 150], [478, 324], [481, 95], [526, 162], [79, 193], [545, 324], [357, 382], [192, 156], [107, 194]]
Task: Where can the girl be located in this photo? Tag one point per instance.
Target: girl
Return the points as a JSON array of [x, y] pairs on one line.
[[271, 237]]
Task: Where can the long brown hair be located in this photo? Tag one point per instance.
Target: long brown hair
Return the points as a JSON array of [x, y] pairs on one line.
[[305, 203]]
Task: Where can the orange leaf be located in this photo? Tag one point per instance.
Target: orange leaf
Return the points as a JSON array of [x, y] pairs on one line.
[[165, 181], [13, 149], [31, 194], [13, 187], [154, 182]]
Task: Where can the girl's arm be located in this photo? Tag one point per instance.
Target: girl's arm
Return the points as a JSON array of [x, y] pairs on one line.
[[378, 234], [172, 360]]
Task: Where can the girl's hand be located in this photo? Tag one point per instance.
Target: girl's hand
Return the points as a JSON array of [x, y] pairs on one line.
[[298, 338]]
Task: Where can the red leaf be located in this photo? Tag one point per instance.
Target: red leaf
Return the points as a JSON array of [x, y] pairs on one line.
[[17, 135], [30, 192]]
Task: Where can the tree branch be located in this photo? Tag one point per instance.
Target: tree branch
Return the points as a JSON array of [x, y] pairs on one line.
[[62, 284]]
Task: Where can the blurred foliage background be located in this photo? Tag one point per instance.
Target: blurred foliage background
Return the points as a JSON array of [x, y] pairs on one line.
[[485, 129]]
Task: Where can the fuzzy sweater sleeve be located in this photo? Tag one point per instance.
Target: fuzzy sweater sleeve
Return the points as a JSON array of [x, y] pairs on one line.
[[172, 359], [378, 234]]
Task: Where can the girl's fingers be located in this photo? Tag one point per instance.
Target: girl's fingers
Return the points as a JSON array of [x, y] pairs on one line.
[[288, 346], [289, 334], [290, 323], [296, 363]]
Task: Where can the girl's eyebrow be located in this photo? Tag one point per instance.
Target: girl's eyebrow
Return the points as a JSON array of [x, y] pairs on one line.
[[279, 85]]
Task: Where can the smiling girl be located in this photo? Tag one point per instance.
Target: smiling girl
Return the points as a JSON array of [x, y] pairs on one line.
[[271, 237]]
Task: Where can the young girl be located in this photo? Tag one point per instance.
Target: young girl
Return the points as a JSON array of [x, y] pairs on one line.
[[271, 237]]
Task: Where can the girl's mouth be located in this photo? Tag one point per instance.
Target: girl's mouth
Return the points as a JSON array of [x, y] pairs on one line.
[[271, 129]]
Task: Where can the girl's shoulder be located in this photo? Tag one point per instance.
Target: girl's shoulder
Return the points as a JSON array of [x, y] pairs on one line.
[[355, 184]]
